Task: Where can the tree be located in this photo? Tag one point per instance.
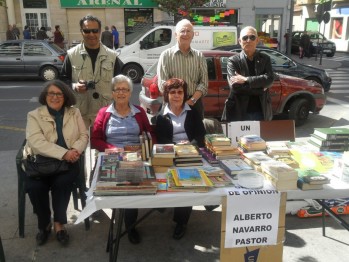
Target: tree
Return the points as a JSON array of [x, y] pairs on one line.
[[179, 7]]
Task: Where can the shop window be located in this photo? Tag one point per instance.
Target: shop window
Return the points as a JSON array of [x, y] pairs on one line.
[[337, 28], [137, 22]]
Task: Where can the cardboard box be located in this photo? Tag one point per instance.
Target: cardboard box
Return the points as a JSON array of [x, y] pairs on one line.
[[255, 253]]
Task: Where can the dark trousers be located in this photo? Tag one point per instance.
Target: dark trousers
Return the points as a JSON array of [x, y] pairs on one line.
[[130, 217], [199, 106], [181, 215], [60, 186]]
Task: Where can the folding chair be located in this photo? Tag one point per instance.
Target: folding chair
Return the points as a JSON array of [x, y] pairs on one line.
[[78, 191]]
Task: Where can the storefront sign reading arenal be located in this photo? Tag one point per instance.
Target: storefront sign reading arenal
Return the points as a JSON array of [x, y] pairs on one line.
[[106, 3]]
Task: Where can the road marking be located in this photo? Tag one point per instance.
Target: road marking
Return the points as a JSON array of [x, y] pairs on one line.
[[33, 99], [338, 101], [12, 128]]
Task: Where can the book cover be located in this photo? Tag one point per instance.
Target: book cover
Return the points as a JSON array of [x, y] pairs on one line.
[[332, 133], [252, 142], [306, 186], [213, 170], [208, 156], [234, 166], [257, 157], [217, 139], [164, 150], [190, 177], [110, 160], [161, 161], [282, 185], [279, 170], [287, 159], [186, 150], [333, 148], [313, 177], [324, 142], [220, 180]]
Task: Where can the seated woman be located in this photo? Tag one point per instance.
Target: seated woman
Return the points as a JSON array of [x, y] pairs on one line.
[[118, 125], [56, 130], [179, 123]]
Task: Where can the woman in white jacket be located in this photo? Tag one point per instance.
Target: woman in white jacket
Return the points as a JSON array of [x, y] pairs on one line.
[[56, 130]]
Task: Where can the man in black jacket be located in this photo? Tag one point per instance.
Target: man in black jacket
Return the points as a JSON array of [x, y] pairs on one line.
[[250, 75]]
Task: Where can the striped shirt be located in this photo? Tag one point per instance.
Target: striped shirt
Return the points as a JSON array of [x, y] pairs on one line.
[[191, 67]]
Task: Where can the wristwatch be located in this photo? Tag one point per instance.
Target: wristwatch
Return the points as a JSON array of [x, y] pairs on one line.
[[193, 99]]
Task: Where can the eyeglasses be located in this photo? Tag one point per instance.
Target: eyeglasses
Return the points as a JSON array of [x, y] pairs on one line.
[[122, 90], [53, 94], [251, 37], [88, 31], [174, 92]]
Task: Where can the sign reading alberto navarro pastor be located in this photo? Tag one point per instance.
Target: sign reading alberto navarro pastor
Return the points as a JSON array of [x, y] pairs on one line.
[[252, 217]]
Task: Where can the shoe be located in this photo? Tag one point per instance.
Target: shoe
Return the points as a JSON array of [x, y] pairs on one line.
[[179, 231], [134, 237], [42, 236], [62, 237]]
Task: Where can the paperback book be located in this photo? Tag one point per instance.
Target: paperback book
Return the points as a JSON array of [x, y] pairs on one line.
[[332, 133], [163, 150]]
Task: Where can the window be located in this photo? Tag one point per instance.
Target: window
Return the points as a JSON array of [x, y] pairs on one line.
[[224, 61], [211, 68], [277, 59], [10, 50], [36, 49]]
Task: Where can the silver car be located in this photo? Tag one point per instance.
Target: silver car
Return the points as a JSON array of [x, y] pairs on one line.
[[31, 58]]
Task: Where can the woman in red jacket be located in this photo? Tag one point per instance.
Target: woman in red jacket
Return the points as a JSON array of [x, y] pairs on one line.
[[120, 124]]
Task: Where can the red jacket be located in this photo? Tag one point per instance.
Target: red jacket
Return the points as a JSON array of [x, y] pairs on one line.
[[98, 137]]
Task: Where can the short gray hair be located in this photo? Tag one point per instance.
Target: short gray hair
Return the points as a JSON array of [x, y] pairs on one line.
[[121, 79], [181, 23], [248, 28]]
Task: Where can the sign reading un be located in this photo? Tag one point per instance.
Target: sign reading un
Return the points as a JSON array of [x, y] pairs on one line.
[[106, 3]]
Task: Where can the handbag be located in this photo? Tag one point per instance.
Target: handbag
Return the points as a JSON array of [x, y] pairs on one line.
[[42, 166]]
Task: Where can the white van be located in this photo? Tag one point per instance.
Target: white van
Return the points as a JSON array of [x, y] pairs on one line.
[[145, 48]]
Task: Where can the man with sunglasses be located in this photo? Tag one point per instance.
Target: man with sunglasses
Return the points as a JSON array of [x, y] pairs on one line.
[[250, 75], [89, 68]]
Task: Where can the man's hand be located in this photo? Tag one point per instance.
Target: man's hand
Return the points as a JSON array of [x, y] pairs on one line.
[[238, 79], [80, 86]]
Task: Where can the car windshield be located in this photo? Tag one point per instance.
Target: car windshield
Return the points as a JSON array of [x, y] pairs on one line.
[[135, 36]]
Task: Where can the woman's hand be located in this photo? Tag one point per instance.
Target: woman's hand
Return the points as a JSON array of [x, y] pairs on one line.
[[72, 155]]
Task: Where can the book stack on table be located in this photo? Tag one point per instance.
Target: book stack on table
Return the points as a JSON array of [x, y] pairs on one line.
[[281, 176], [234, 166], [162, 157], [248, 143], [254, 159], [219, 145], [187, 155], [188, 180], [217, 176], [330, 139], [120, 177], [310, 179]]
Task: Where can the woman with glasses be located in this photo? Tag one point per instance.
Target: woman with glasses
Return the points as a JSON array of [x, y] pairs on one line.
[[56, 130], [250, 75], [179, 123], [120, 124]]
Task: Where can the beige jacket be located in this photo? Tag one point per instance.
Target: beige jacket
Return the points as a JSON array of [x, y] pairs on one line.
[[41, 133]]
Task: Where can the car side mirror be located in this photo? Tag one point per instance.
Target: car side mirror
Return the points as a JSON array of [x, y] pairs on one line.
[[142, 44]]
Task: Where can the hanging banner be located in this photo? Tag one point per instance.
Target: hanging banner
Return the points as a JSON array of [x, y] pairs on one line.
[[252, 217], [107, 3]]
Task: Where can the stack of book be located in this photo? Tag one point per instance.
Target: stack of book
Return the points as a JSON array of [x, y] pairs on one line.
[[162, 157], [234, 166], [188, 180], [310, 179], [116, 177], [187, 155], [220, 146], [146, 143], [249, 143], [281, 176], [255, 159], [217, 176], [330, 139], [277, 148]]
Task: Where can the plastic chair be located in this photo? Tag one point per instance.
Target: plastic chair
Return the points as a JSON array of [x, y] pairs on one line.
[[78, 190], [2, 254]]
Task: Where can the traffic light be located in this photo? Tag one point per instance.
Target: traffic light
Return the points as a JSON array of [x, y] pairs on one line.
[[322, 13]]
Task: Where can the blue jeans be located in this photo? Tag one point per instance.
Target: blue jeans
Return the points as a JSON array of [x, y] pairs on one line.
[[255, 116]]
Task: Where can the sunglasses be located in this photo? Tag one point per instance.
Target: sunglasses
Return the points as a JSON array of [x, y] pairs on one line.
[[251, 37], [88, 31]]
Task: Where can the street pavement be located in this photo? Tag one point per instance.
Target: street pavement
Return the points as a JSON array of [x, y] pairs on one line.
[[303, 239]]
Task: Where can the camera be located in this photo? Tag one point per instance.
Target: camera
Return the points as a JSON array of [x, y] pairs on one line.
[[90, 84]]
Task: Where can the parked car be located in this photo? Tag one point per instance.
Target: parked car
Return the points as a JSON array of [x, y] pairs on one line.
[[31, 58], [293, 96], [318, 43], [287, 66]]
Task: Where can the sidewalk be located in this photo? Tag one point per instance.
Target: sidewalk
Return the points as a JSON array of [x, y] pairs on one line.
[[326, 63], [201, 242]]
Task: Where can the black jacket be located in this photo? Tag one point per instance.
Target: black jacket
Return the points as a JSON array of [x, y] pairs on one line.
[[193, 126], [254, 86]]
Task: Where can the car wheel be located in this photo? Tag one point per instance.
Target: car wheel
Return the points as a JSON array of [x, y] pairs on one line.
[[134, 72], [48, 73], [299, 111]]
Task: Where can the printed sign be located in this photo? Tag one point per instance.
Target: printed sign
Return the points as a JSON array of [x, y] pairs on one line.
[[241, 128], [252, 217]]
